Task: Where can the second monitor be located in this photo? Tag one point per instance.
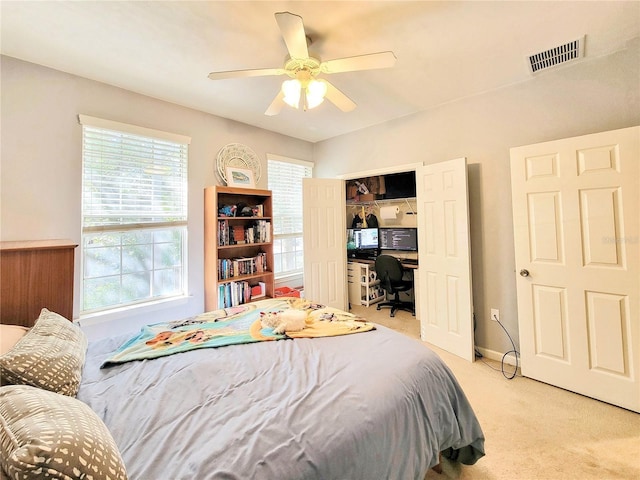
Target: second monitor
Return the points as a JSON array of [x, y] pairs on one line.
[[398, 238]]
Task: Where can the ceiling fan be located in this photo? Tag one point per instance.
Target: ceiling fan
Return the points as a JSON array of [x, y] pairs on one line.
[[304, 88]]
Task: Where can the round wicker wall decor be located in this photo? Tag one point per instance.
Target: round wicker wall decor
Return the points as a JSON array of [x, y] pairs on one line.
[[240, 156]]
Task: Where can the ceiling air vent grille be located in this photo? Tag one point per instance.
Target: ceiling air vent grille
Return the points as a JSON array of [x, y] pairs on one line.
[[556, 56]]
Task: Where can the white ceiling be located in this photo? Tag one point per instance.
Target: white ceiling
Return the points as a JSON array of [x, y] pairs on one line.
[[445, 51]]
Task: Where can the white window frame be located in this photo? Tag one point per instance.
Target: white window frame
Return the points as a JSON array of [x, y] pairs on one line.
[[154, 221], [291, 235]]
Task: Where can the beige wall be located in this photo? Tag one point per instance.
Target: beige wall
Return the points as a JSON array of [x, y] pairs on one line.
[[41, 160], [592, 96]]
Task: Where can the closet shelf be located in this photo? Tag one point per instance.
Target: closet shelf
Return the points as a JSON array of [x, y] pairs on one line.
[[382, 201]]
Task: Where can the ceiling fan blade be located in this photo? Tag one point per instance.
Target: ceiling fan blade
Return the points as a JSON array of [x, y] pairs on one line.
[[259, 72], [292, 30], [276, 105], [338, 98], [360, 62]]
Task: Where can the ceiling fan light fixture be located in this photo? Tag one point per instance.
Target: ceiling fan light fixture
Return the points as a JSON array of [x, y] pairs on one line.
[[315, 92], [291, 90], [303, 68]]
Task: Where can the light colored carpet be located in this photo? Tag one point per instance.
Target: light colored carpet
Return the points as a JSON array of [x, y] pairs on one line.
[[534, 431]]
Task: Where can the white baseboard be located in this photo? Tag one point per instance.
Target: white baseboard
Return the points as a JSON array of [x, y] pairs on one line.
[[497, 356]]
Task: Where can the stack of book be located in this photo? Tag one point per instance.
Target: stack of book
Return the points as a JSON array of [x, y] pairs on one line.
[[259, 232], [235, 267], [233, 294], [223, 233]]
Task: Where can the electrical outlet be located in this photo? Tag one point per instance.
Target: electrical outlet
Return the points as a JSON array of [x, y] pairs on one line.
[[495, 314]]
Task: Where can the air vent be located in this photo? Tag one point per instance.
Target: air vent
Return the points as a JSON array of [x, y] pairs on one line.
[[556, 56]]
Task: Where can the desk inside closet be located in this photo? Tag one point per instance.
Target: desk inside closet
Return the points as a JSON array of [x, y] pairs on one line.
[[363, 284]]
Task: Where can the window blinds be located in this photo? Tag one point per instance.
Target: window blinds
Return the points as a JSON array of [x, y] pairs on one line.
[[285, 182], [131, 179]]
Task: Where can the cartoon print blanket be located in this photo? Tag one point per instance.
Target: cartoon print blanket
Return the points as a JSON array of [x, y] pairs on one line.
[[234, 326]]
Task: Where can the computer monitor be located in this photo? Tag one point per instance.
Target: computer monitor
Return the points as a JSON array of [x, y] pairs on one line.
[[351, 240], [362, 239], [403, 239], [368, 238]]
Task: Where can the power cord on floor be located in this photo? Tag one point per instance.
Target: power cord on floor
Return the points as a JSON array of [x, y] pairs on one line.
[[515, 353]]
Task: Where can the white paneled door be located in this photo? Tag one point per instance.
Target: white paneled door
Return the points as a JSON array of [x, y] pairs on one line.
[[576, 212], [446, 309], [325, 254]]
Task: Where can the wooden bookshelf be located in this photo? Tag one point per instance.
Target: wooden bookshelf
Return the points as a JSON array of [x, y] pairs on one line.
[[238, 245]]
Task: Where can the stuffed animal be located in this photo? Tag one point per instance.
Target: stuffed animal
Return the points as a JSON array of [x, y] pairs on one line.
[[284, 321], [243, 210], [227, 211]]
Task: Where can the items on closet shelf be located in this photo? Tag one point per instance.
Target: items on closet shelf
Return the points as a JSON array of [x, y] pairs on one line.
[[366, 189]]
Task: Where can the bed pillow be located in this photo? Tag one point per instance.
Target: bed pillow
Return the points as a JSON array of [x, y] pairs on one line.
[[50, 356], [47, 435], [9, 336]]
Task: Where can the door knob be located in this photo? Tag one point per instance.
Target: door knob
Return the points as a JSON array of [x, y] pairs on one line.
[[524, 272]]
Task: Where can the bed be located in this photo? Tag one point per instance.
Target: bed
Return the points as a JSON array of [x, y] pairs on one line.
[[369, 405]]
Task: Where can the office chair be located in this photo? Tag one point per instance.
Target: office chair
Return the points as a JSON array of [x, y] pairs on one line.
[[390, 273]]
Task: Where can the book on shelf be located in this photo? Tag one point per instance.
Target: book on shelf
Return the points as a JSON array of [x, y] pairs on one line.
[[223, 233], [238, 235], [259, 232], [232, 294], [235, 267], [258, 291]]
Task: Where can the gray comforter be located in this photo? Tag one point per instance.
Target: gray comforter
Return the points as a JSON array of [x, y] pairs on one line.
[[374, 405]]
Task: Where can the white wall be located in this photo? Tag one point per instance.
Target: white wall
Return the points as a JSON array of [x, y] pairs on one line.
[[41, 162], [41, 157], [596, 95]]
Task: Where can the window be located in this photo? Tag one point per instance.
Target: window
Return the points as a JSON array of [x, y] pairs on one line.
[[285, 182], [134, 214]]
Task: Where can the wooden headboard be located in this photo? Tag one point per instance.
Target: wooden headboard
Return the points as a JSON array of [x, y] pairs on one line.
[[33, 275]]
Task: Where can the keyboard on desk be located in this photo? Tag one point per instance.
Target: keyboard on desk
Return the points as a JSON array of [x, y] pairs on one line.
[[364, 256], [410, 261]]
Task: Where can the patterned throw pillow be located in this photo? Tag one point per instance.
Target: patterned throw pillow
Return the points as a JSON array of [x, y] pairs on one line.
[[47, 435], [50, 356]]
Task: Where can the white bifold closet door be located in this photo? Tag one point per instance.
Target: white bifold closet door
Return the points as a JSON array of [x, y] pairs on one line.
[[446, 305], [325, 241], [443, 294]]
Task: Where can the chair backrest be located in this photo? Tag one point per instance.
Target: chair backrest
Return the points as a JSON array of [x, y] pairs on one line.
[[389, 271]]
